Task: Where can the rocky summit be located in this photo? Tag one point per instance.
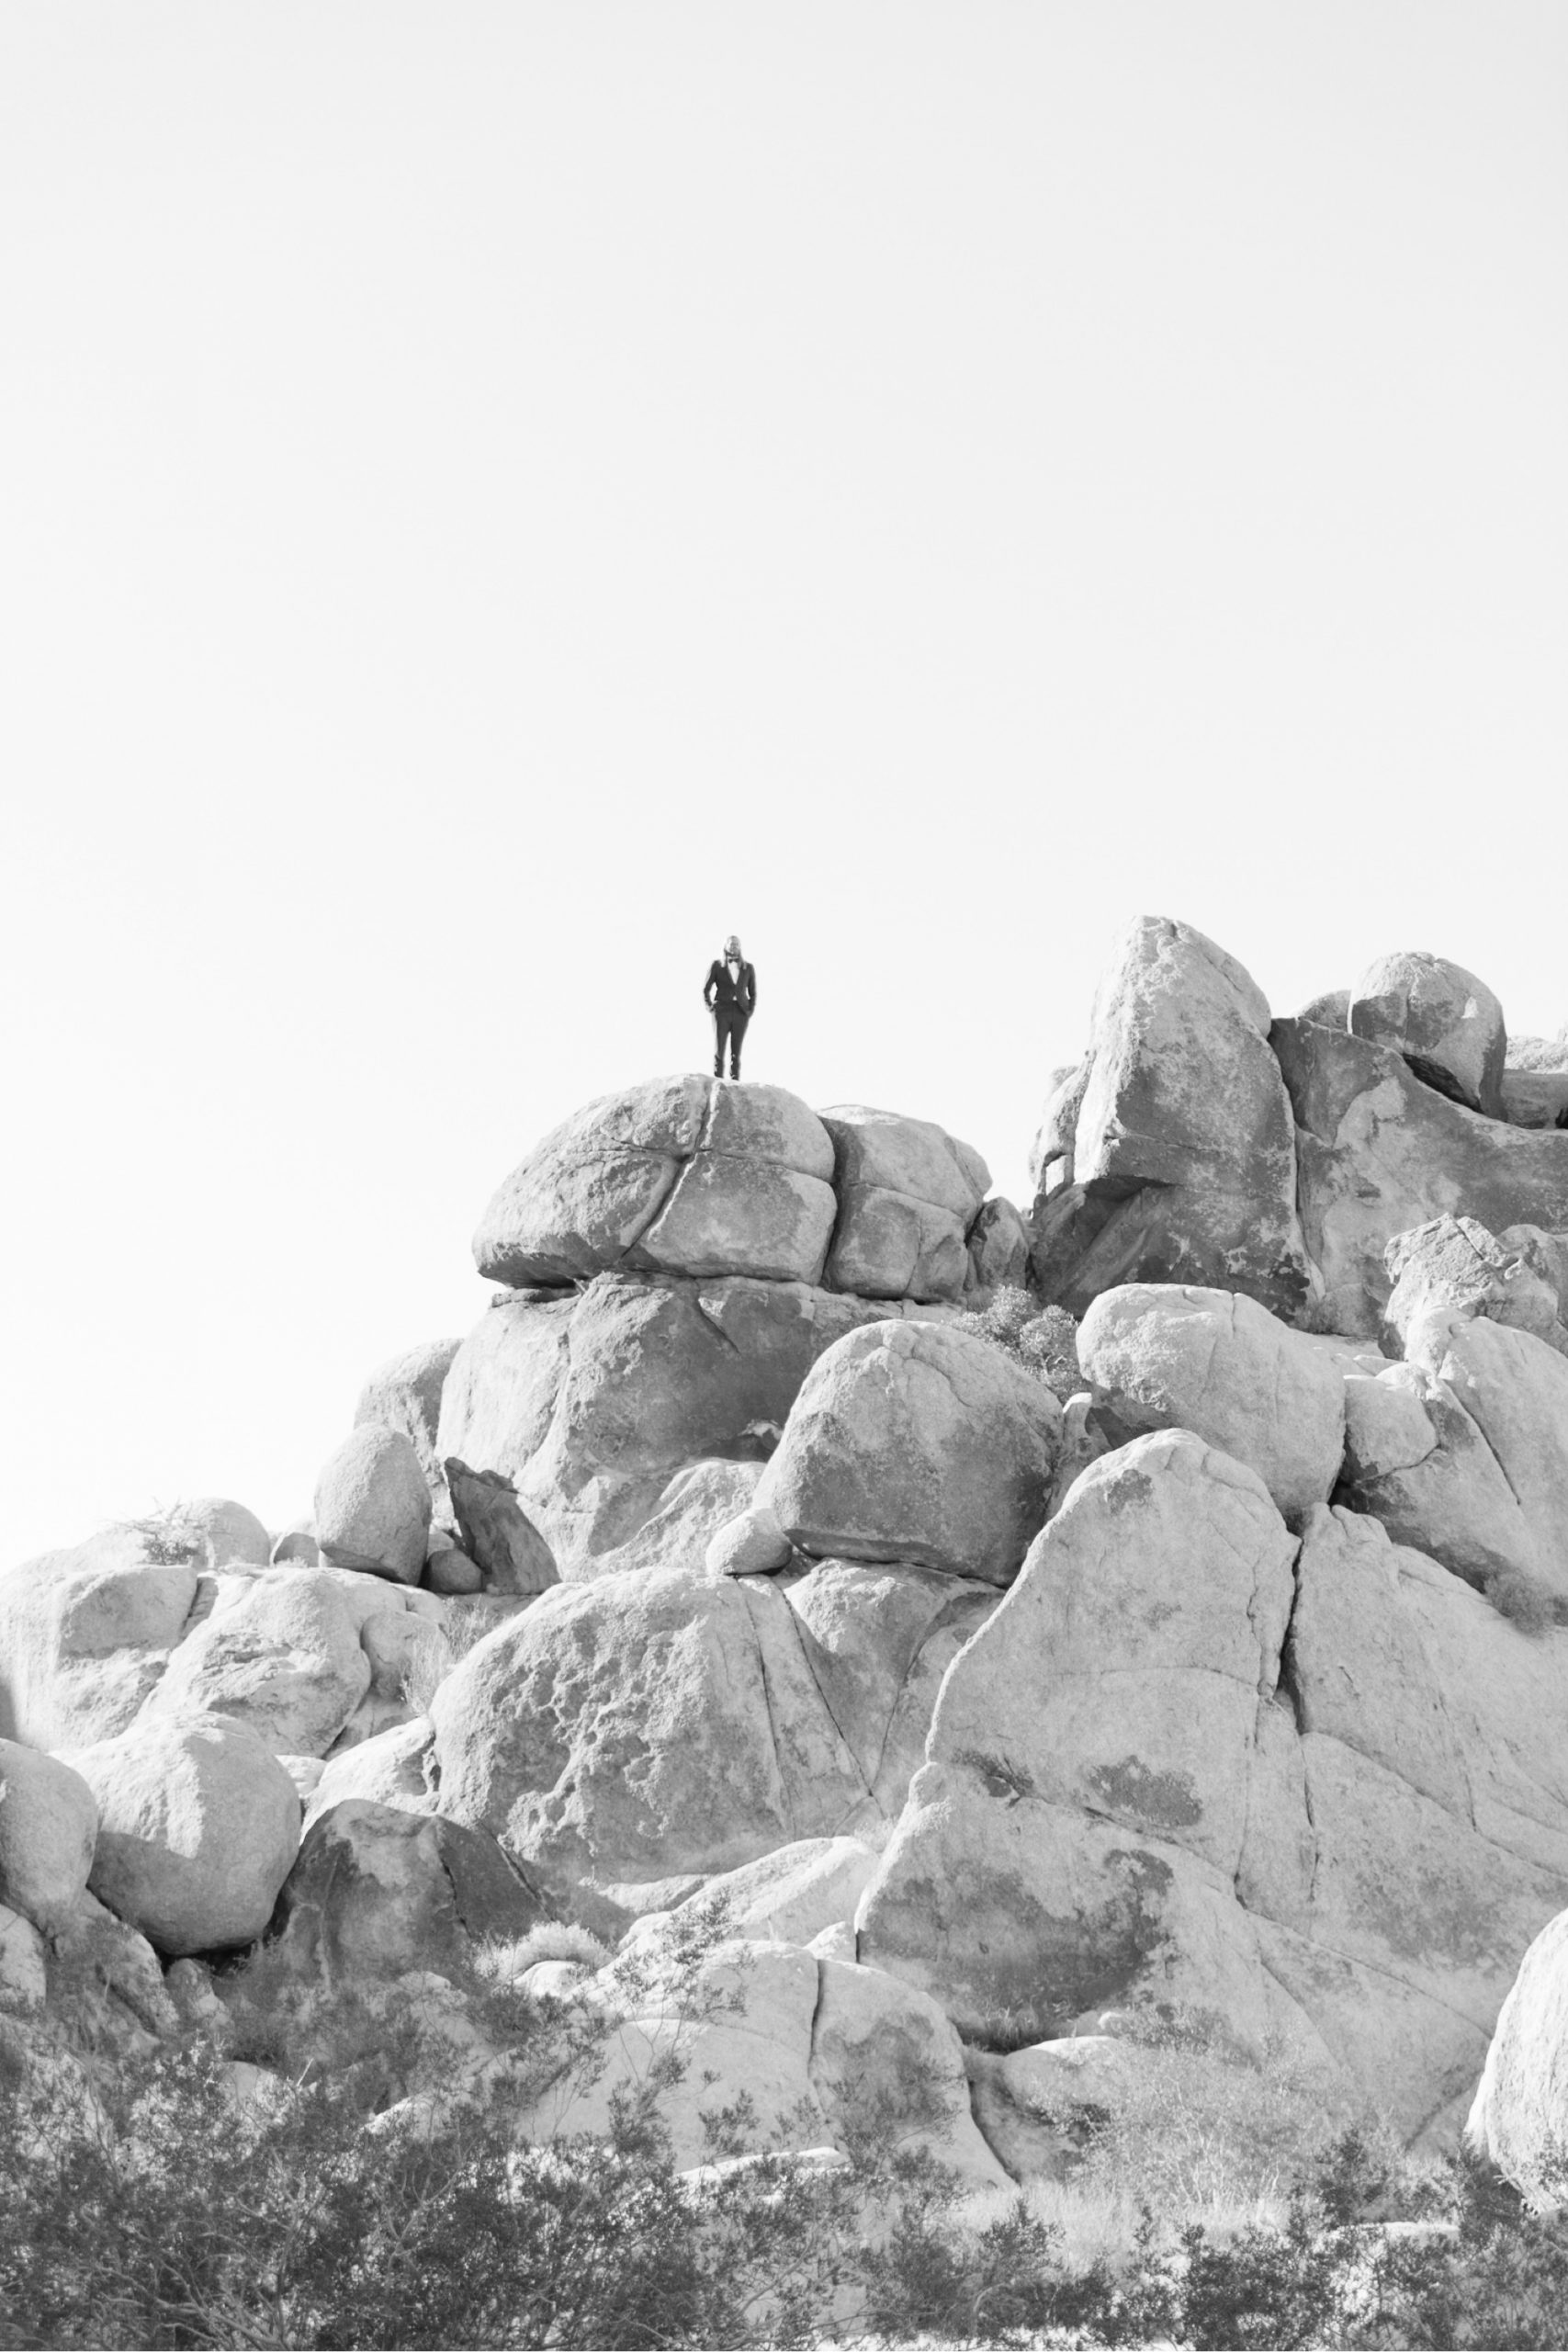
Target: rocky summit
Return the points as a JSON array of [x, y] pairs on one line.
[[1029, 1626]]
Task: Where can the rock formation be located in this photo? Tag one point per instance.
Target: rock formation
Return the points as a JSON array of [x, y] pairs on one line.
[[743, 1554]]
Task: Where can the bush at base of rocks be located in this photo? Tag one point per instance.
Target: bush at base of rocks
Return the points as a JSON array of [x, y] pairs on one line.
[[229, 2205]]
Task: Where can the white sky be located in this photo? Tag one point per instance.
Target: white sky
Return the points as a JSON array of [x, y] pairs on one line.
[[493, 497]]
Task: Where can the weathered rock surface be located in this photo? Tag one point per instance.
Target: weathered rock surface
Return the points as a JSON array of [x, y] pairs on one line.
[[496, 1533], [85, 1635], [1160, 1356], [917, 1442], [391, 1769], [1415, 1460], [1331, 1010], [1445, 1023], [999, 1248], [1183, 1161], [791, 1895], [1535, 1098], [1380, 1153], [908, 1195], [819, 2048], [1514, 1388], [681, 1174], [590, 1404], [1051, 1153], [405, 1394], [878, 1640], [373, 1506], [49, 1827], [224, 1532], [755, 2005], [641, 1726], [648, 1727], [1452, 1266], [877, 2044], [378, 1891], [284, 1655], [1040, 2106], [1122, 1810], [752, 1543], [696, 1503], [1519, 2117], [198, 1824]]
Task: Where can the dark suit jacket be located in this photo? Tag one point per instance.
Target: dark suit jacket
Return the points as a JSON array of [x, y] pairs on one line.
[[732, 995]]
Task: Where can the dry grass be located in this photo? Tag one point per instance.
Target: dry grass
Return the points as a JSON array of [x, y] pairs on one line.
[[551, 1940]]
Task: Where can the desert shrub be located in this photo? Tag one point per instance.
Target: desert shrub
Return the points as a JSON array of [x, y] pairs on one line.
[[168, 1536], [551, 1940], [1203, 2131], [1043, 1339]]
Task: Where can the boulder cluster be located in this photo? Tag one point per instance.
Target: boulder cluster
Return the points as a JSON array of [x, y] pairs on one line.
[[743, 1552]]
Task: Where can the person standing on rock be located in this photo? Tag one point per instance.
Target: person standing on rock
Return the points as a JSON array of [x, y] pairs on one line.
[[730, 994]]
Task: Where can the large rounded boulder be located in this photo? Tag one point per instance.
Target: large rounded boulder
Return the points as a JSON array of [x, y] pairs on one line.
[[1163, 1356], [907, 1195], [373, 1508], [592, 1402], [643, 1727], [281, 1653], [49, 1825], [917, 1442], [405, 1394], [1445, 1023], [86, 1634], [1519, 2116], [683, 1175], [1184, 1146], [377, 1891], [198, 1824]]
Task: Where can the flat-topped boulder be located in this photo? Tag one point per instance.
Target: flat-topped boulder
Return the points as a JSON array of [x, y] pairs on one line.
[[678, 1175], [692, 1176]]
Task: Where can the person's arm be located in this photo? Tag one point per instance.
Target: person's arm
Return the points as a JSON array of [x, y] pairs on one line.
[[709, 985], [751, 989]]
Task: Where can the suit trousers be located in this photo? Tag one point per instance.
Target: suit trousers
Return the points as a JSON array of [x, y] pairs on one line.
[[728, 1021]]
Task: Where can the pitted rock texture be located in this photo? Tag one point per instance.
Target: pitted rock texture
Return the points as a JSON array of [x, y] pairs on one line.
[[1333, 1811], [1445, 1023], [281, 1652], [1183, 1153], [916, 1441]]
